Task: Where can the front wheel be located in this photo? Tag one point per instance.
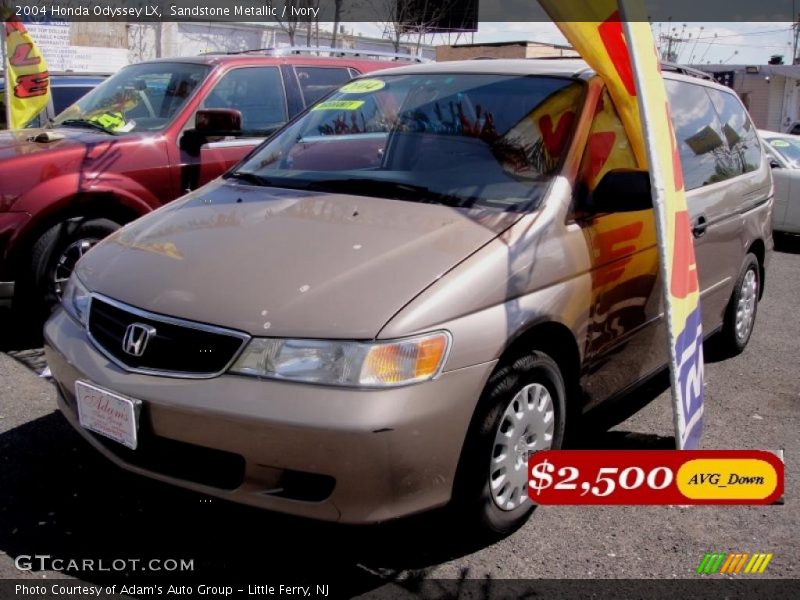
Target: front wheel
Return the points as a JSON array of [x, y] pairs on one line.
[[521, 411], [54, 255]]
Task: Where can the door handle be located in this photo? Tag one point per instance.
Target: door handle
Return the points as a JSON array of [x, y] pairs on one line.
[[700, 226]]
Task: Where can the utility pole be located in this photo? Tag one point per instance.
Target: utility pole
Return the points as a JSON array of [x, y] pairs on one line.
[[668, 55], [795, 35]]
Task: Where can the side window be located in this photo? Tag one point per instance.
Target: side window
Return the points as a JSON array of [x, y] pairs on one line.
[[740, 133], [256, 92], [705, 156], [315, 82]]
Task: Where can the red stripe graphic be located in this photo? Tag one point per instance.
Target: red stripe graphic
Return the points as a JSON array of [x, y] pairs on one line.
[[614, 42]]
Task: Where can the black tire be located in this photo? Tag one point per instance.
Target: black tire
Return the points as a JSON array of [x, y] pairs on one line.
[[732, 340], [39, 293], [473, 503]]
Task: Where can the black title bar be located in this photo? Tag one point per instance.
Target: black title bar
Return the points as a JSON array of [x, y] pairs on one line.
[[437, 16]]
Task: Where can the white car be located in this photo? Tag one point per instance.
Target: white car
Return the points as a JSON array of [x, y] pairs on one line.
[[783, 151]]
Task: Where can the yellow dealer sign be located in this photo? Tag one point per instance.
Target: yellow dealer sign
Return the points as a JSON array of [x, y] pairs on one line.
[[27, 80]]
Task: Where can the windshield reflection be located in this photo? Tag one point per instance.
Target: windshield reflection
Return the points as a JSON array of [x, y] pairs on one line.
[[465, 140]]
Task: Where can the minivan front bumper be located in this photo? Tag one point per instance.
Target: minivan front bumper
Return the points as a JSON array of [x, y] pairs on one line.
[[355, 456]]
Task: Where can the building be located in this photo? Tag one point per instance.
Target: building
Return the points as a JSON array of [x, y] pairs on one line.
[[90, 46], [524, 49], [81, 47], [770, 92]]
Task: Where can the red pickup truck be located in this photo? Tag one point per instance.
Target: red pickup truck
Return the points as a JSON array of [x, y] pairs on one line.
[[147, 135]]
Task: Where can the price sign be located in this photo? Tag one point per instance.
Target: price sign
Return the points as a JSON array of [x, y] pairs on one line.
[[655, 477]]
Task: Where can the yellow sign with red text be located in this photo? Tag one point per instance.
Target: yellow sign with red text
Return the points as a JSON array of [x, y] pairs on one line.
[[619, 46], [27, 80]]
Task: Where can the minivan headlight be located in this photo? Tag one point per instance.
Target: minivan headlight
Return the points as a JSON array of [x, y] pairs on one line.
[[346, 363], [75, 299]]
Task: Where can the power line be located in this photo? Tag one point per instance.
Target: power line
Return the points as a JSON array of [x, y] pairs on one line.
[[727, 35], [786, 45]]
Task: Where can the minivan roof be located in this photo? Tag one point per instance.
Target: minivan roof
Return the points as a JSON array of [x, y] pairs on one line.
[[568, 67], [555, 67]]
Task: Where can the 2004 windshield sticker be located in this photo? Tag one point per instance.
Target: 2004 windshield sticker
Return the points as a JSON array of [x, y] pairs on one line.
[[363, 86], [339, 105]]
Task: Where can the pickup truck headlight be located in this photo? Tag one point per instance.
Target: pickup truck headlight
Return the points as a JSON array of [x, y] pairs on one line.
[[346, 363], [75, 300]]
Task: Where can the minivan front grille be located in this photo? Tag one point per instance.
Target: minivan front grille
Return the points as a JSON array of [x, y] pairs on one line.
[[141, 341]]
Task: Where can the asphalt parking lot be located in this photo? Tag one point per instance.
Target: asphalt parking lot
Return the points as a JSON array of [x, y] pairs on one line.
[[59, 498]]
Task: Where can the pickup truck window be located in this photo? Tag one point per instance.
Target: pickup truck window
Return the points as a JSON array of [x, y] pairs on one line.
[[316, 82], [256, 92]]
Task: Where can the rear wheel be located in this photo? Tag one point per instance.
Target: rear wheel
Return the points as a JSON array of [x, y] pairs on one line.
[[740, 316], [521, 411]]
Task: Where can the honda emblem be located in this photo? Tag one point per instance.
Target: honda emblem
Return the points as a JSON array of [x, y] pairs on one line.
[[136, 338]]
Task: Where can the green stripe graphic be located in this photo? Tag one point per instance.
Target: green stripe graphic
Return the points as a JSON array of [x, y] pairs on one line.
[[711, 563], [703, 563]]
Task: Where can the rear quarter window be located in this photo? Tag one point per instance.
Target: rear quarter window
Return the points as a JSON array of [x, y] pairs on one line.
[[739, 131]]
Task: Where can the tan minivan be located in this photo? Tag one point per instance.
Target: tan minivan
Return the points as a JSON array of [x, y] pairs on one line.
[[392, 302]]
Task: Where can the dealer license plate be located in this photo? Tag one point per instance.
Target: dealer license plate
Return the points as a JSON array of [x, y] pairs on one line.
[[108, 414]]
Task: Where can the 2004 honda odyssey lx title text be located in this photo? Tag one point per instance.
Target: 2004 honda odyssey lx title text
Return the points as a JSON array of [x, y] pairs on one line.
[[407, 290]]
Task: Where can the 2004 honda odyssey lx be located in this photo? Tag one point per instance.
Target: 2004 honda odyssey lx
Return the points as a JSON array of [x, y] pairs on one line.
[[415, 284]]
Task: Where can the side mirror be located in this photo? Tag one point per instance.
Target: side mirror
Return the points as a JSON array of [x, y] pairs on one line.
[[622, 190], [218, 121], [774, 164]]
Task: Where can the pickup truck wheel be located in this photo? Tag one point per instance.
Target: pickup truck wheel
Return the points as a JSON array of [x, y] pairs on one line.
[[55, 254], [521, 411]]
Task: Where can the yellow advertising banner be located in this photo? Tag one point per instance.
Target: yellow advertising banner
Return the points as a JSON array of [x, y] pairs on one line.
[[619, 46], [27, 80]]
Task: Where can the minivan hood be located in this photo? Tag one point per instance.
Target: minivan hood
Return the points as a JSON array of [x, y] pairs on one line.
[[276, 262]]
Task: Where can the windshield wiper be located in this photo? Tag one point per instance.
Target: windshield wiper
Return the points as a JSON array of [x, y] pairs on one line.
[[250, 177], [395, 190], [85, 123]]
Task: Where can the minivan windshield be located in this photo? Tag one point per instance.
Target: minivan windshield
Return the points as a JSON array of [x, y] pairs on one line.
[[143, 97], [464, 140]]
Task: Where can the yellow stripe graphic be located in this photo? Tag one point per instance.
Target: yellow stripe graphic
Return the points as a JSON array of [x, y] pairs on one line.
[[754, 562], [767, 558]]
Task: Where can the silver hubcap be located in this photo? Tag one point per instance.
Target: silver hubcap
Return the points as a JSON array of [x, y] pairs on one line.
[[525, 427], [746, 308], [66, 262]]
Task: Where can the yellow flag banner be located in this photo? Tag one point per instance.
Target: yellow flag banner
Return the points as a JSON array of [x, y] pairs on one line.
[[619, 46], [27, 80]]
